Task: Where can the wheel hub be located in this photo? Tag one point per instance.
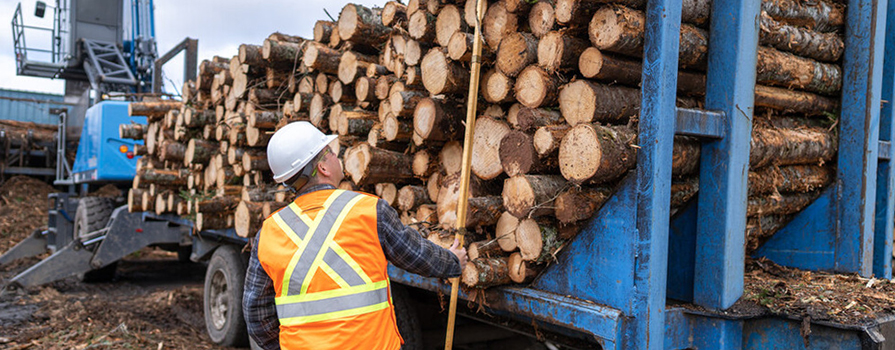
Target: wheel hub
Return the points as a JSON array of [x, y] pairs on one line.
[[220, 301]]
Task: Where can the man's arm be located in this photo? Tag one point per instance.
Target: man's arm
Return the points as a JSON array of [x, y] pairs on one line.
[[258, 305], [406, 248]]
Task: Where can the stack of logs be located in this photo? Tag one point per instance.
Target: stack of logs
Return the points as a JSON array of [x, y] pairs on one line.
[[558, 131]]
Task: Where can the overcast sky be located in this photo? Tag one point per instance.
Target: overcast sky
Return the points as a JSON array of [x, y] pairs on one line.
[[220, 26]]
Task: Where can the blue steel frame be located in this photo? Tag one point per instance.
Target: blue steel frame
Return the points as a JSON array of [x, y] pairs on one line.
[[836, 232], [885, 177]]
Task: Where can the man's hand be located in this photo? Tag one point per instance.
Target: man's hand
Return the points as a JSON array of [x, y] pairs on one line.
[[460, 252]]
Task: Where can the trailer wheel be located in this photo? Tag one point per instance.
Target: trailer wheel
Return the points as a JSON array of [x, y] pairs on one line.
[[93, 214], [408, 321], [224, 281]]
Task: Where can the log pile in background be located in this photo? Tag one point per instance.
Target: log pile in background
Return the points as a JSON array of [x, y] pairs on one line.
[[556, 132]]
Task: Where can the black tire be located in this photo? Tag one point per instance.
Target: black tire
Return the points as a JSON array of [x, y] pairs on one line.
[[408, 320], [93, 214], [224, 281]]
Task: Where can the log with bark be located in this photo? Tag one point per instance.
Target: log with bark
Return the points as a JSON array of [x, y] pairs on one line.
[[436, 120], [580, 203], [522, 271], [486, 146], [496, 87], [505, 231], [826, 47], [542, 18], [781, 204], [517, 51], [791, 146], [497, 24], [363, 26], [411, 196], [281, 54], [247, 218], [538, 241], [386, 191], [536, 87], [131, 131], [789, 101], [368, 165], [787, 70], [597, 65], [393, 13], [518, 155], [322, 31], [788, 179], [449, 21], [451, 157], [421, 26], [441, 75], [532, 195], [352, 65], [425, 164], [322, 58], [547, 139], [560, 51], [153, 110], [486, 272], [596, 154], [584, 101], [818, 15]]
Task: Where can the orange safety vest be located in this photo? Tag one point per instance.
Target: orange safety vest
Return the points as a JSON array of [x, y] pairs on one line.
[[330, 275]]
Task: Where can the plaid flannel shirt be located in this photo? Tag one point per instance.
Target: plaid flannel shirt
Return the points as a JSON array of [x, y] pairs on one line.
[[403, 246]]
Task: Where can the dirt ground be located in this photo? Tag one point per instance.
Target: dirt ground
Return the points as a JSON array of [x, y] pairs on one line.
[[154, 303]]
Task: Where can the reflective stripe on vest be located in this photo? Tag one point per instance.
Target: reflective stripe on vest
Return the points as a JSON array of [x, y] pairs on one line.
[[317, 250]]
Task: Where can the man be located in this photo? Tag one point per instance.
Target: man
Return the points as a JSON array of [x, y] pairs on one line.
[[317, 277]]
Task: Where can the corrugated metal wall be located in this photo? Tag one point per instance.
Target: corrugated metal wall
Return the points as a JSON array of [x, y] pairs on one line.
[[29, 106]]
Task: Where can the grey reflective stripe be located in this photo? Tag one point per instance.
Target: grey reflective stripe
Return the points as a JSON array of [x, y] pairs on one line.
[[342, 268], [334, 304], [295, 223], [316, 240]]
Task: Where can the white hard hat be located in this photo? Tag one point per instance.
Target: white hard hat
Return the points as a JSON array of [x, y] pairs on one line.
[[294, 146]]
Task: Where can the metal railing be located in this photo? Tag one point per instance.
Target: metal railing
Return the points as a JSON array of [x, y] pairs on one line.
[[57, 53]]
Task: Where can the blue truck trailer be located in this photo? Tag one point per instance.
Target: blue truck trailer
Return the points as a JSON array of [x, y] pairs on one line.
[[638, 277]]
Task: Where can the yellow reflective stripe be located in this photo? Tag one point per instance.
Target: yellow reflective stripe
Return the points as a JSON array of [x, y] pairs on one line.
[[312, 228], [301, 215], [331, 293], [293, 321], [286, 229], [329, 238], [335, 276], [350, 261]]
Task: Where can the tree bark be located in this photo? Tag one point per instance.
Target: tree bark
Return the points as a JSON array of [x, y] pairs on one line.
[[583, 101], [207, 221], [451, 157], [520, 270], [321, 58], [131, 131], [322, 31], [532, 195], [483, 249], [596, 154], [441, 76], [152, 110], [581, 203], [394, 13], [281, 54], [135, 200], [518, 155], [486, 146], [794, 72], [421, 26], [367, 165], [364, 89], [538, 242], [253, 159], [528, 119], [789, 101], [424, 164], [517, 51], [685, 156], [217, 204], [410, 197], [302, 102], [791, 146], [319, 110], [819, 15], [559, 51], [783, 204], [199, 151], [486, 272], [171, 151], [248, 219], [789, 179], [611, 69], [403, 103], [265, 119], [826, 47], [435, 120], [396, 130], [362, 25]]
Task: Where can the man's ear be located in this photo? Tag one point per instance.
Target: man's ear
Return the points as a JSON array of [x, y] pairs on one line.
[[323, 169]]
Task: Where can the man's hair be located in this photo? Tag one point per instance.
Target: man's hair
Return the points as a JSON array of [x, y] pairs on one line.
[[294, 180]]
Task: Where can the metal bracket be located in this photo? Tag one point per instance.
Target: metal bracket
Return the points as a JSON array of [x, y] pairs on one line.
[[106, 65], [700, 123]]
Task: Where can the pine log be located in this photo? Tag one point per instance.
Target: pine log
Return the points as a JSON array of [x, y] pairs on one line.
[[340, 92], [436, 120], [387, 191], [321, 58], [580, 203], [322, 31], [517, 51], [281, 54], [424, 164], [265, 119], [301, 102], [366, 165], [364, 89], [319, 110], [782, 204], [486, 272], [427, 213], [171, 151], [256, 137], [611, 69], [785, 100], [135, 200], [421, 26], [362, 26], [583, 101], [547, 139], [537, 242], [199, 151], [335, 39], [451, 157], [393, 13], [596, 154], [383, 85], [535, 87], [497, 87], [254, 159], [791, 71], [682, 191], [560, 51], [518, 155], [396, 130], [209, 221], [195, 118], [258, 194], [413, 52], [791, 146], [826, 47], [528, 119], [217, 204], [153, 110], [760, 228], [459, 47], [227, 176], [520, 270], [483, 249], [505, 231], [497, 24], [321, 81], [353, 65], [685, 156], [817, 15], [131, 131], [532, 195], [356, 122], [449, 198], [448, 22], [441, 76], [542, 18], [410, 197], [248, 219], [481, 211], [403, 103], [486, 146], [789, 179]]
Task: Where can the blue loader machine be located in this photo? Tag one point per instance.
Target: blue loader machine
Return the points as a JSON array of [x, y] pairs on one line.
[[102, 155]]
